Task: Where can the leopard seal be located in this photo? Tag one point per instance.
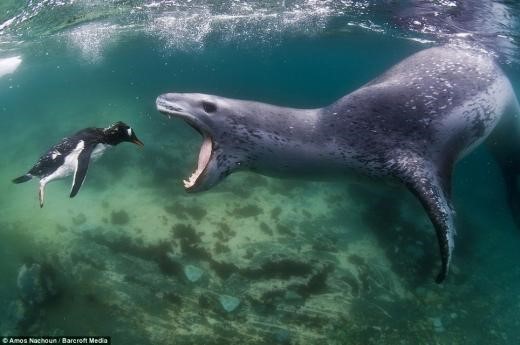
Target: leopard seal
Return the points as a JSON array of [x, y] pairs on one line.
[[412, 124]]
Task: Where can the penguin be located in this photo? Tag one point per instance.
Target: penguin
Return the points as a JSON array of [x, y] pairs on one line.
[[72, 155]]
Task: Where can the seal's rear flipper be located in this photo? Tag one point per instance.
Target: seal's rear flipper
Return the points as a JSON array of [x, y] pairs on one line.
[[22, 179], [431, 186]]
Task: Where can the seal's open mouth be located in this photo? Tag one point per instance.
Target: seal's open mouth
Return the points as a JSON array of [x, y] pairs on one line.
[[204, 157], [172, 110]]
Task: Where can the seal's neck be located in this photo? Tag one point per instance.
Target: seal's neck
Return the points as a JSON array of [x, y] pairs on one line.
[[292, 141]]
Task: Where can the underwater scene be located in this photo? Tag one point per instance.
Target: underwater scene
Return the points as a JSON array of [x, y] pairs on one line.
[[244, 257]]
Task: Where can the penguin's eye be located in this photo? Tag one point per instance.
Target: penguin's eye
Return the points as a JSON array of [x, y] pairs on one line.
[[209, 107]]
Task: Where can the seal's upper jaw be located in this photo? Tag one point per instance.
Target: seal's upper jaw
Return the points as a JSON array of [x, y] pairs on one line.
[[181, 106], [172, 105]]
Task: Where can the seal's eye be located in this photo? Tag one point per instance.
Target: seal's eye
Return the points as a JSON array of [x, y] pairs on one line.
[[209, 107]]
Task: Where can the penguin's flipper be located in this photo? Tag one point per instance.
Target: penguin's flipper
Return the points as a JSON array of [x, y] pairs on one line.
[[81, 170], [430, 185]]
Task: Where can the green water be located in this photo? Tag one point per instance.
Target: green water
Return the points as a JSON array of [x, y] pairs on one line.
[[309, 262]]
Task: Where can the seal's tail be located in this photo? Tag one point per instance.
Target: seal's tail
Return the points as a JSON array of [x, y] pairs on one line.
[[22, 179]]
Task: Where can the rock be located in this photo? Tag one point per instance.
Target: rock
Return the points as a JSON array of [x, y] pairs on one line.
[[294, 298], [193, 273], [35, 284], [282, 337], [16, 314], [79, 219], [17, 318], [229, 303], [119, 217], [437, 324]]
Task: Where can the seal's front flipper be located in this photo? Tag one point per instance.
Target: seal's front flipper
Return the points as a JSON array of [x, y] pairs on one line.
[[430, 185], [81, 170]]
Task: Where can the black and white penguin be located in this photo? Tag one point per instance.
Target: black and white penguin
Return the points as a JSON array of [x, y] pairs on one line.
[[73, 154]]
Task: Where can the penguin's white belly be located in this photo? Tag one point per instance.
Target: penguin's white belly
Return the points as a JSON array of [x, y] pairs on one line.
[[71, 162], [68, 167], [98, 151]]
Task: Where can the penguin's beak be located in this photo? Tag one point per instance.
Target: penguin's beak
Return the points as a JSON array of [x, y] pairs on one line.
[[138, 142]]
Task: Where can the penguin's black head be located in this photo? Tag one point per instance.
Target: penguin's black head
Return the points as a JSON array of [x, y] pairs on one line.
[[120, 132]]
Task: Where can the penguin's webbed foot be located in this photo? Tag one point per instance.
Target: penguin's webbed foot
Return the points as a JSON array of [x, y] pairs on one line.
[[41, 194]]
